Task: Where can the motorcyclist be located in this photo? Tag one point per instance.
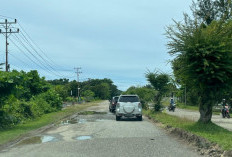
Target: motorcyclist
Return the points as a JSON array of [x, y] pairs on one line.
[[172, 102], [223, 107]]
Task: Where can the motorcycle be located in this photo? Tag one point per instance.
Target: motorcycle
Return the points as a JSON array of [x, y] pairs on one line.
[[172, 107], [225, 112]]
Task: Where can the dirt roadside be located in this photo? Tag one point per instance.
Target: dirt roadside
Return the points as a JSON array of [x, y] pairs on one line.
[[39, 131]]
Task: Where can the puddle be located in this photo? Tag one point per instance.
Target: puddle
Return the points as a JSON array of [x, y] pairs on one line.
[[80, 138], [102, 120], [37, 140], [45, 139], [32, 140], [82, 121], [66, 122], [73, 121]]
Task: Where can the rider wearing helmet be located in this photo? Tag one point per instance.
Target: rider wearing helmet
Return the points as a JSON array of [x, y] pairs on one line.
[[171, 101], [223, 107]]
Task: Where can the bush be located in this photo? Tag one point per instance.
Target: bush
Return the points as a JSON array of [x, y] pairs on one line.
[[53, 99]]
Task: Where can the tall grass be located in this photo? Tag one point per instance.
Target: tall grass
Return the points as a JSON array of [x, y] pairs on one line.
[[211, 131]]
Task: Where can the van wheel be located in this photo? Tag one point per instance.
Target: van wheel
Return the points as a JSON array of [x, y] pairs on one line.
[[117, 118], [140, 118]]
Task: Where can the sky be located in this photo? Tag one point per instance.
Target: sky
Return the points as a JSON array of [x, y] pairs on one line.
[[116, 39]]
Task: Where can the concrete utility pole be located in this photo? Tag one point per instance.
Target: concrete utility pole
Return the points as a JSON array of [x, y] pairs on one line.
[[78, 88], [7, 33]]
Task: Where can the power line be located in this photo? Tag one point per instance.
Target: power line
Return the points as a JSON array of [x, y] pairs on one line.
[[25, 53], [45, 61], [6, 17], [20, 42], [33, 42], [24, 40]]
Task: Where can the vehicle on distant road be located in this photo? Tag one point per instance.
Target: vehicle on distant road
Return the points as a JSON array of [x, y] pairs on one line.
[[172, 107], [113, 103], [225, 112], [128, 106]]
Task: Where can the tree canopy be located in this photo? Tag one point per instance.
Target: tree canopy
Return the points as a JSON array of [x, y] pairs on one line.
[[203, 57]]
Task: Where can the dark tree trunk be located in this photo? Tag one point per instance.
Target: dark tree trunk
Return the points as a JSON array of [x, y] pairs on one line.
[[158, 98], [206, 109]]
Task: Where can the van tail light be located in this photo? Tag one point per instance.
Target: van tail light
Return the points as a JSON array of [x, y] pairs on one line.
[[139, 105]]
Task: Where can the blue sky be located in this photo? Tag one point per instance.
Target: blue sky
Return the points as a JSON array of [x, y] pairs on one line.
[[116, 39]]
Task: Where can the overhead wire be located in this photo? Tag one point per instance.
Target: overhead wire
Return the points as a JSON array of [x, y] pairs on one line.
[[32, 41], [24, 53], [44, 60], [47, 60], [26, 38], [36, 58]]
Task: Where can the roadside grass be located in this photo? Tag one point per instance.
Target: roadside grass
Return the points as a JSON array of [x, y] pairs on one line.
[[7, 135], [188, 107], [216, 111], [210, 131], [166, 102]]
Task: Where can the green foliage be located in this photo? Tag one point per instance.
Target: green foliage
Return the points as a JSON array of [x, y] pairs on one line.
[[102, 91], [203, 59], [208, 11], [25, 96], [21, 84], [160, 83], [145, 94], [102, 88], [52, 98], [88, 95], [62, 91], [63, 81]]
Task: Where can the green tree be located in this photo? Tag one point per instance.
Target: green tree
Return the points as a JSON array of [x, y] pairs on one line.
[[204, 55], [160, 83], [145, 94], [88, 94], [206, 11]]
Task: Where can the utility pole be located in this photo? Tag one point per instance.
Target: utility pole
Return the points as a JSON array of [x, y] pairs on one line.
[[7, 33], [78, 72]]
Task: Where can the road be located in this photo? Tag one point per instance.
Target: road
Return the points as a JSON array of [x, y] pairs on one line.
[[195, 115], [99, 135]]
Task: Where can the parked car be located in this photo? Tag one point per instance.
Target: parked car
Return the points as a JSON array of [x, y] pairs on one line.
[[128, 106], [113, 103]]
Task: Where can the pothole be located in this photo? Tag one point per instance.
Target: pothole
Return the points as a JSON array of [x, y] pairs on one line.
[[82, 121], [32, 140], [91, 113], [37, 140], [67, 122], [102, 120], [45, 139], [81, 138]]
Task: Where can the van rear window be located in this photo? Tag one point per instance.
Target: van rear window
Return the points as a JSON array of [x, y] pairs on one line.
[[129, 99], [116, 98]]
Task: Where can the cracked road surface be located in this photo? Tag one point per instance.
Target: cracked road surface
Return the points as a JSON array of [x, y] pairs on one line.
[[99, 135]]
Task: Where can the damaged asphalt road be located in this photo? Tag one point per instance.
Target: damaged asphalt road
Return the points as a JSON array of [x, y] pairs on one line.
[[97, 134]]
